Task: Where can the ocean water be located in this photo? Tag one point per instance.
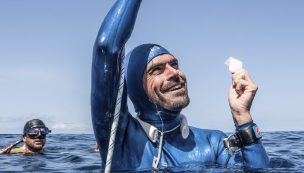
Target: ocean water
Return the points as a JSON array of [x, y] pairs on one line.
[[75, 153]]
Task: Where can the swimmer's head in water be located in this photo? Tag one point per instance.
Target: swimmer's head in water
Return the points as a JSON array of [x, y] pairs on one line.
[[34, 134], [154, 81]]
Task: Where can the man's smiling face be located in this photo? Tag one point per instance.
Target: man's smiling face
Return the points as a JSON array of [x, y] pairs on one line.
[[165, 84]]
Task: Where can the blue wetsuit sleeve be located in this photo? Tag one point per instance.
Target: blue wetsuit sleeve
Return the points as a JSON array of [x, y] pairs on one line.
[[251, 156], [107, 55], [254, 155]]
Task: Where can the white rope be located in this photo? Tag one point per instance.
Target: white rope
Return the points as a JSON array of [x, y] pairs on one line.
[[115, 119]]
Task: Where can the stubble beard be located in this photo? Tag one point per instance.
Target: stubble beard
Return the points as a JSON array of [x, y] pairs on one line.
[[36, 147], [172, 101]]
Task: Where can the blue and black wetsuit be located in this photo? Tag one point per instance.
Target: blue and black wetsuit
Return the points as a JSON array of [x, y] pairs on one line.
[[134, 148]]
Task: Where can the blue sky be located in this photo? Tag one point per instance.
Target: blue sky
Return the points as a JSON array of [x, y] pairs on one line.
[[46, 51]]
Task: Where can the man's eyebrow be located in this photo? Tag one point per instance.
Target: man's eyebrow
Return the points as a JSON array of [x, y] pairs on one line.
[[173, 60]]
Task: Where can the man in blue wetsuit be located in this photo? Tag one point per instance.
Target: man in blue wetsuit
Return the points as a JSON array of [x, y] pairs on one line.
[[158, 137]]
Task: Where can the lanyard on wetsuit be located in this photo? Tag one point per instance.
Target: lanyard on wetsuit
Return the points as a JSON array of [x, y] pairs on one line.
[[152, 133], [156, 160]]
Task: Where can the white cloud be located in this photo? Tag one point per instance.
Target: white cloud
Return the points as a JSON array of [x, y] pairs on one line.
[[68, 126]]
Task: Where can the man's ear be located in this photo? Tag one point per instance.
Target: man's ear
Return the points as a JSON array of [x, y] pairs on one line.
[[24, 138]]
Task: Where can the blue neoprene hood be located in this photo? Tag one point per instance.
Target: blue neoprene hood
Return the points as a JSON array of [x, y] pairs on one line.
[[136, 62]]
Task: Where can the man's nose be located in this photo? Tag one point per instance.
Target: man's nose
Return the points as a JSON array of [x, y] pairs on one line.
[[171, 72], [39, 133]]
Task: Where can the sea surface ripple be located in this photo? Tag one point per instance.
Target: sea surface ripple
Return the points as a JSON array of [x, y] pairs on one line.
[[76, 153]]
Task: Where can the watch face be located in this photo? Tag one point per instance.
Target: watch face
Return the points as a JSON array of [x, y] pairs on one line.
[[257, 132]]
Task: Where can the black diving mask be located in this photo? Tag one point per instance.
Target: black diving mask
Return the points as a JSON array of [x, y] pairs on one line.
[[38, 133]]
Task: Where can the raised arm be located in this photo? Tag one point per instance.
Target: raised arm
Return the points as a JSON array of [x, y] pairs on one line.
[[108, 52], [247, 136]]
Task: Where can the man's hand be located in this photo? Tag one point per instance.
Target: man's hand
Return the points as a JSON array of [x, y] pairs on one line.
[[6, 150], [241, 95]]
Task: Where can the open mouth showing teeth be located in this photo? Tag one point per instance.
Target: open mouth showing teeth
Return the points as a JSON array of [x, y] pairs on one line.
[[175, 88]]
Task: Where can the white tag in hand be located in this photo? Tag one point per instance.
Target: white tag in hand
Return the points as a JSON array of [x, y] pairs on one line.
[[234, 64]]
